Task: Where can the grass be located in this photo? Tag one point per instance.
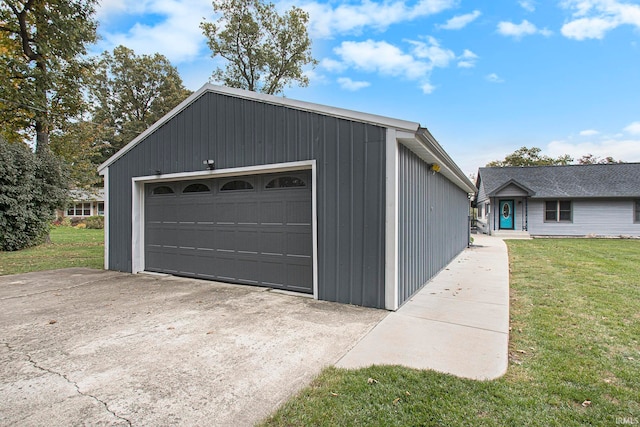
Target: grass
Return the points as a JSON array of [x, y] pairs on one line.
[[69, 247], [574, 354]]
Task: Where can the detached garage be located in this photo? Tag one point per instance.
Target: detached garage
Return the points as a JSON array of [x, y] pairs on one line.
[[242, 187]]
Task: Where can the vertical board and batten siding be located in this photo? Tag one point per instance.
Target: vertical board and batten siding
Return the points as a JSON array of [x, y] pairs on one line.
[[602, 217], [235, 132], [433, 223]]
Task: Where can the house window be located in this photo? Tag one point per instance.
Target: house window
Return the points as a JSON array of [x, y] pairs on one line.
[[557, 211], [101, 208], [79, 209], [637, 211]]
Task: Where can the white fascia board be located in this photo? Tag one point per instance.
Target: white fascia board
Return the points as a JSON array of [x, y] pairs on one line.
[[391, 222], [342, 113], [184, 104], [105, 174], [428, 149], [356, 116], [138, 214], [221, 173]]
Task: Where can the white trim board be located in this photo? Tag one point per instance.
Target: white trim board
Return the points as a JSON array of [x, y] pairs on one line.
[[138, 215], [267, 99]]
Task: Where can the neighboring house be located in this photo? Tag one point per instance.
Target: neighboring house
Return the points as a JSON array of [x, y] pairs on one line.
[[574, 200], [84, 204], [243, 187]]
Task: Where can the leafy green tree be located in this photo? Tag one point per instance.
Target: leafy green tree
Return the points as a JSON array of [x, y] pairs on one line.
[[42, 65], [132, 92], [264, 51], [31, 187], [80, 145], [590, 159], [530, 157]]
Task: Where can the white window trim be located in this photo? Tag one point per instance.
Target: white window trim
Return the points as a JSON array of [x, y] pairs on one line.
[[138, 214]]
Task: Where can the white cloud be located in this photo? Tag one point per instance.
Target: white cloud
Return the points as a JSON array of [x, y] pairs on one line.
[[388, 59], [527, 5], [460, 21], [589, 132], [427, 88], [633, 128], [467, 59], [332, 65], [525, 28], [592, 19], [329, 19], [381, 57], [175, 32], [431, 50], [494, 78], [348, 84]]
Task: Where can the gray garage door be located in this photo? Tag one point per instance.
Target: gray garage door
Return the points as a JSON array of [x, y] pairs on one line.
[[252, 230]]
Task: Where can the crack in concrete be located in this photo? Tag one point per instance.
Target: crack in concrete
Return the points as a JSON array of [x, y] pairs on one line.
[[73, 383]]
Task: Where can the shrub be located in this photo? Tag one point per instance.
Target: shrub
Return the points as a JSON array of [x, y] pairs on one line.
[[95, 222], [31, 187]]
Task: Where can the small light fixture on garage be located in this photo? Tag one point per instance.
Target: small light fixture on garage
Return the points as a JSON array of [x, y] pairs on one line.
[[210, 164], [434, 168]]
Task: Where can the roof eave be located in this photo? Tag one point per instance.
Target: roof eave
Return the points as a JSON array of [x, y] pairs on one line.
[[342, 113], [425, 146]]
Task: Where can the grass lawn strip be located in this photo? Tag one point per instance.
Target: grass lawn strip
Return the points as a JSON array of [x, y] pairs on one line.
[[70, 247], [574, 354]]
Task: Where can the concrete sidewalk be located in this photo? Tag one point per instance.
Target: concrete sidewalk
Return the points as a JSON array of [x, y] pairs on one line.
[[457, 324]]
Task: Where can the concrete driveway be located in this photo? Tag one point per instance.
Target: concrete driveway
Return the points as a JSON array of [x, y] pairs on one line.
[[90, 347]]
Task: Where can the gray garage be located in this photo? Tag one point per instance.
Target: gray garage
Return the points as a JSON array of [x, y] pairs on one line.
[[248, 188]]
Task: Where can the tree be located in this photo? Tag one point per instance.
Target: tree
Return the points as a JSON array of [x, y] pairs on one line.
[[590, 159], [31, 187], [80, 145], [132, 92], [530, 157], [264, 51], [42, 69]]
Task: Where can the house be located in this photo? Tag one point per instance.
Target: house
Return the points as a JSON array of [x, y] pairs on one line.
[[574, 200], [243, 187], [84, 204]]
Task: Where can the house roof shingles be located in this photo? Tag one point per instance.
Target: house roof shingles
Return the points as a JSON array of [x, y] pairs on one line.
[[572, 181]]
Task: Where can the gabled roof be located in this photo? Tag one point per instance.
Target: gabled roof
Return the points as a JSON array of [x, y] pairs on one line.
[[571, 181], [512, 182], [419, 139]]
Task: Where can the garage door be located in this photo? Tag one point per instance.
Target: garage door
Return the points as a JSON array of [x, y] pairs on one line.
[[252, 230]]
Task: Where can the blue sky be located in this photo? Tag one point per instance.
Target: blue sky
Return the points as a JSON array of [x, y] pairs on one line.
[[486, 77]]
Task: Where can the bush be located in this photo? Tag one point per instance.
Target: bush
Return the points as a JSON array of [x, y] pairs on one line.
[[95, 222], [31, 187], [62, 221]]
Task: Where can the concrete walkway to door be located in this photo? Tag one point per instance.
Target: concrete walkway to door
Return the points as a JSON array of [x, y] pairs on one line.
[[458, 323]]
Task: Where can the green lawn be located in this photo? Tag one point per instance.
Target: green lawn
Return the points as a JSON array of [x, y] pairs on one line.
[[574, 354], [69, 247]]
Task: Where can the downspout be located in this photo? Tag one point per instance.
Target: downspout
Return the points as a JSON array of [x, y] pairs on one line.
[[526, 213]]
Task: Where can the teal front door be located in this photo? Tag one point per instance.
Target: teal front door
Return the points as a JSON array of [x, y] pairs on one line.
[[506, 215]]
